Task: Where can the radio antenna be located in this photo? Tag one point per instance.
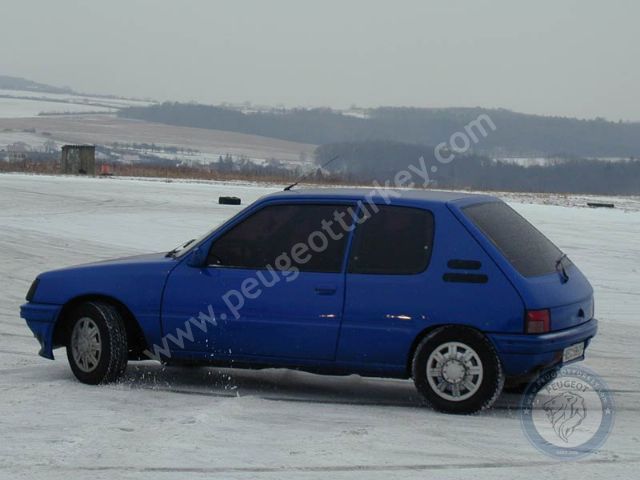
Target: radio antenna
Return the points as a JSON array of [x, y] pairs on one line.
[[286, 189]]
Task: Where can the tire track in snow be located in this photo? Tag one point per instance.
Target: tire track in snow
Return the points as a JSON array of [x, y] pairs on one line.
[[323, 401], [5, 334], [12, 352], [321, 468]]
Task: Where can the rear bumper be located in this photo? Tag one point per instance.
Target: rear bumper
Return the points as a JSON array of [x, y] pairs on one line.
[[41, 320], [522, 354]]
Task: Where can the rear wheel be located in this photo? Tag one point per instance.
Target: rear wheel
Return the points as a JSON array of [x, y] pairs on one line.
[[457, 370], [97, 343]]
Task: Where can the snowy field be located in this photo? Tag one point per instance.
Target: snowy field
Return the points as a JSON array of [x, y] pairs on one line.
[[25, 108], [165, 423], [112, 102], [36, 117], [107, 129], [25, 104]]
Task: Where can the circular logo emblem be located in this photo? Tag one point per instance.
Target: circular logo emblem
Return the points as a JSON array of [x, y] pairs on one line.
[[567, 413]]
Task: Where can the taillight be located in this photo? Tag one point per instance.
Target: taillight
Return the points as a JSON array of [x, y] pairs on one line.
[[537, 321]]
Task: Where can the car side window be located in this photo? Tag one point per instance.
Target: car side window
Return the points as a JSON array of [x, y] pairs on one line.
[[393, 241], [258, 241]]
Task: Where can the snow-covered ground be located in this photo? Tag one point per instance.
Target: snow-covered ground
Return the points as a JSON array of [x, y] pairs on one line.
[[32, 141], [25, 108], [25, 103], [544, 161], [212, 423], [106, 129]]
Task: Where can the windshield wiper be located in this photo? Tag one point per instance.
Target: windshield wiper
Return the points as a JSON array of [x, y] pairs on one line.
[[172, 253], [564, 276]]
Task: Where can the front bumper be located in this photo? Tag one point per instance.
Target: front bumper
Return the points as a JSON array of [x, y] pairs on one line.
[[522, 354], [41, 320]]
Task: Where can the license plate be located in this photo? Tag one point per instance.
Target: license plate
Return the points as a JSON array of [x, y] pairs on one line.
[[573, 352]]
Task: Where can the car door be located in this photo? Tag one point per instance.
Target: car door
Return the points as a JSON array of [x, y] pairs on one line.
[[387, 285], [274, 282]]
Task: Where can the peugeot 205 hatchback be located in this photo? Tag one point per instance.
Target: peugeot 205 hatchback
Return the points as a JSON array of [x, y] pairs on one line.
[[457, 291]]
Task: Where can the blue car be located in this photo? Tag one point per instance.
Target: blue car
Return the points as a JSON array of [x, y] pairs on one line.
[[456, 291]]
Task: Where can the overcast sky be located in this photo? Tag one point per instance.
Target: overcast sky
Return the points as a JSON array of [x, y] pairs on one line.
[[562, 57]]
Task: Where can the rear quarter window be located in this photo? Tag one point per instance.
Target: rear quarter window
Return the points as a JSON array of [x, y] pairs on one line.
[[523, 245]]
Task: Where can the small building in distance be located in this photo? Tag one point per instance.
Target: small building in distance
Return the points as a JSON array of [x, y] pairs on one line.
[[78, 159]]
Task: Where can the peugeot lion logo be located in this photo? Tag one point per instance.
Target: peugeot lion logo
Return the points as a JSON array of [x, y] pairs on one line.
[[566, 412], [554, 412]]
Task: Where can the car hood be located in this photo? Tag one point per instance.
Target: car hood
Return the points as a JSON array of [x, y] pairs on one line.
[[140, 260], [121, 278]]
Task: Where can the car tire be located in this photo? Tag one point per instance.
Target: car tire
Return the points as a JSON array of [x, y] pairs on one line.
[[229, 200], [457, 370], [97, 343]]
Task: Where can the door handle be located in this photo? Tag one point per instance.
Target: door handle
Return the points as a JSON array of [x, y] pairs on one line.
[[325, 289]]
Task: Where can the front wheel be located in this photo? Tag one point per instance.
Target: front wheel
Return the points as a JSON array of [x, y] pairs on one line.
[[97, 343], [457, 370]]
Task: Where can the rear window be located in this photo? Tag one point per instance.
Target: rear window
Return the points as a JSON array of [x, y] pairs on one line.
[[529, 251]]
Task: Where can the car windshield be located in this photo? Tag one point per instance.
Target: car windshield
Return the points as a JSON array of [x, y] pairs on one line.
[[183, 248], [186, 247]]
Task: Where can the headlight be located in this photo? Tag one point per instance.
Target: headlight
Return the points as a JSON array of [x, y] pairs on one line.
[[32, 290]]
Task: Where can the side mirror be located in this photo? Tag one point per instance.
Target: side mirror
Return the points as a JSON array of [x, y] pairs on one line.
[[197, 258]]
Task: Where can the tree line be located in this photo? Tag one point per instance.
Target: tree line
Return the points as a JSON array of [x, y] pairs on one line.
[[516, 134], [380, 161]]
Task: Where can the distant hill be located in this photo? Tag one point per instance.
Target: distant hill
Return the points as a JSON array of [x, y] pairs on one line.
[[516, 134], [382, 160], [18, 83]]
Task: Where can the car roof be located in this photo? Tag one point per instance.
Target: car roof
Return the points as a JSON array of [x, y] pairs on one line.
[[408, 195]]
